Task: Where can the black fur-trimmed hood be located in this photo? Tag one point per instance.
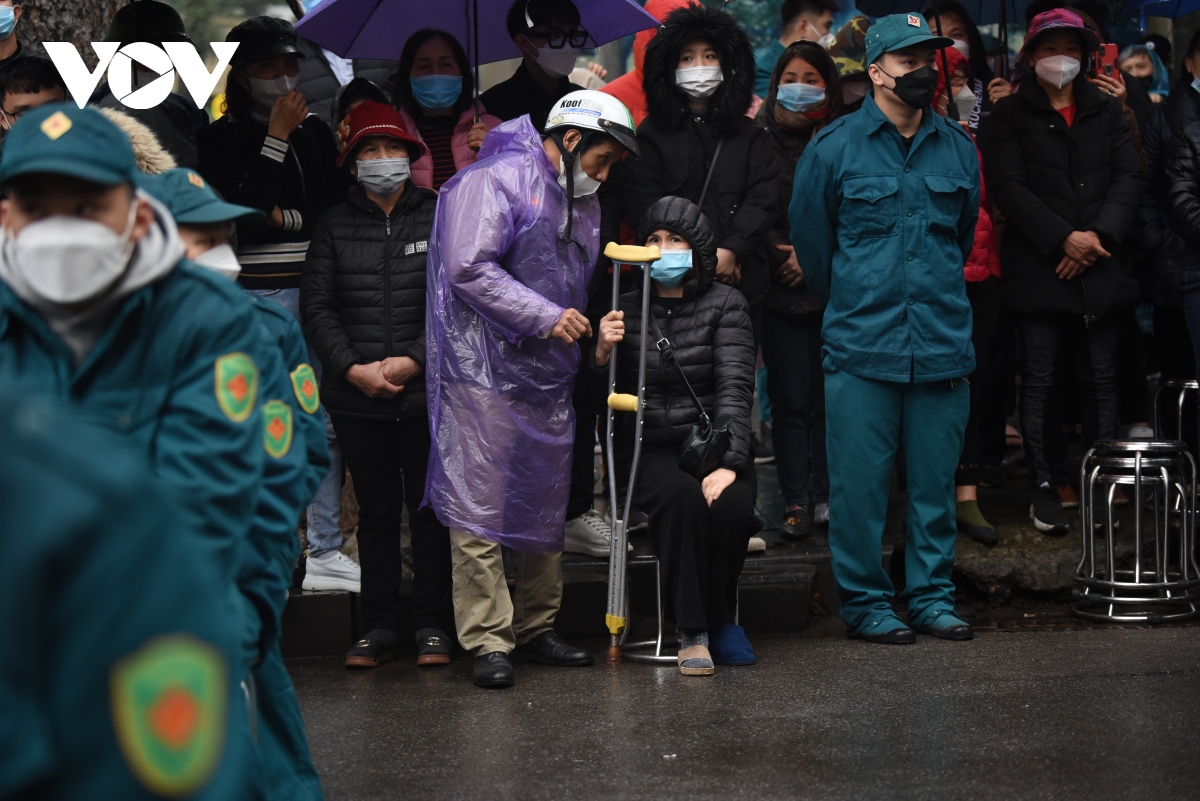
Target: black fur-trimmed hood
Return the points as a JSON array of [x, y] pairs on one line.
[[664, 99]]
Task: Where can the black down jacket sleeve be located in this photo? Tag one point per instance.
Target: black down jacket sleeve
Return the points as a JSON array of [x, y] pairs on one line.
[[323, 327], [733, 360], [1183, 183]]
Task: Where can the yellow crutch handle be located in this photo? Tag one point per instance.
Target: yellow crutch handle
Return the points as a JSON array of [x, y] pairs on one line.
[[632, 254], [622, 403]]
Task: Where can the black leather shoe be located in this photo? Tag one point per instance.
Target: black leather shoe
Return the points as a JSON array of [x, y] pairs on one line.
[[903, 636], [549, 649], [955, 631], [493, 671], [795, 526]]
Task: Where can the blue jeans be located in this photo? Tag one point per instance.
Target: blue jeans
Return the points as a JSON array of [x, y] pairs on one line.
[[792, 351], [324, 533]]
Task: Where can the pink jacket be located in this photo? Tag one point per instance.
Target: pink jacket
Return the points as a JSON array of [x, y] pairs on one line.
[[464, 156]]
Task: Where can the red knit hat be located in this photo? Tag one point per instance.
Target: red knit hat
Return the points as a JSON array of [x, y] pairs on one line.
[[371, 118]]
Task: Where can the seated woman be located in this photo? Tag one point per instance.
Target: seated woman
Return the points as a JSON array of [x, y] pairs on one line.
[[698, 527]]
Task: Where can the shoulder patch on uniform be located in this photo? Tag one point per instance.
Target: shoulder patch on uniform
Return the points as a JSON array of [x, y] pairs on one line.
[[277, 428], [304, 384], [168, 703], [236, 385]]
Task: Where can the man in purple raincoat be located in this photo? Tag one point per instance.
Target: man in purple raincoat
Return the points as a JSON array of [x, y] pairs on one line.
[[514, 243]]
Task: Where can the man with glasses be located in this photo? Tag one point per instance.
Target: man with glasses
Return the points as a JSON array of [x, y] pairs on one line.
[[26, 83], [549, 36]]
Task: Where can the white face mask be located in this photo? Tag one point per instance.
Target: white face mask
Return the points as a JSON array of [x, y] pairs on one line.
[[827, 40], [584, 184], [1058, 71], [964, 99], [383, 176], [558, 62], [220, 259], [268, 91], [699, 81], [69, 260], [963, 47]]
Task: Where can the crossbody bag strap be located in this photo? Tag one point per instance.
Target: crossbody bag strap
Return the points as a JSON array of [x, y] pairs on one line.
[[712, 165], [668, 353]]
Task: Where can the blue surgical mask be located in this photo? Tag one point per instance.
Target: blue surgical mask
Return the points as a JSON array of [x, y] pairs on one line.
[[1196, 83], [8, 21], [799, 96], [308, 5], [436, 92], [672, 268]]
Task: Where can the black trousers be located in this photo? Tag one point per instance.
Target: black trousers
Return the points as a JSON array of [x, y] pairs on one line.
[[1133, 401], [388, 460], [1091, 351], [984, 297], [701, 550]]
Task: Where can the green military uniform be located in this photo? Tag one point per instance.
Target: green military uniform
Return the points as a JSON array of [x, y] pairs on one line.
[[884, 228], [298, 459], [116, 676]]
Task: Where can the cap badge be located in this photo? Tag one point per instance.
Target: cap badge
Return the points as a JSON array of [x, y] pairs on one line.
[[56, 125], [914, 20], [195, 180]]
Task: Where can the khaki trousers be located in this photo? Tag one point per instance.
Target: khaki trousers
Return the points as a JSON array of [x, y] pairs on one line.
[[487, 617]]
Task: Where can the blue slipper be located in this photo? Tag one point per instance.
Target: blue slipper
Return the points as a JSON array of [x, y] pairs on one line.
[[729, 646]]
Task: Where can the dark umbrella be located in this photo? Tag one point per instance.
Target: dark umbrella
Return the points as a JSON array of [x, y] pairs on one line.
[[379, 28]]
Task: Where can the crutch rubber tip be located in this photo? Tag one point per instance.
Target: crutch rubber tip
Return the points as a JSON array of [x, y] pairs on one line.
[[613, 657], [622, 403]]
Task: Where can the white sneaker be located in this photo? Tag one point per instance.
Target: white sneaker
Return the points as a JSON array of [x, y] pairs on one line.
[[821, 514], [588, 534], [1141, 432], [756, 545], [332, 570]]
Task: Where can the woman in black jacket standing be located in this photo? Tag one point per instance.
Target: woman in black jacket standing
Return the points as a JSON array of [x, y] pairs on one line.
[[1062, 167], [805, 96], [363, 307], [699, 526], [698, 76]]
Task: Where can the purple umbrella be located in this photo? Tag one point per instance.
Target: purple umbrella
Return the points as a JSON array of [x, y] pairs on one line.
[[379, 28]]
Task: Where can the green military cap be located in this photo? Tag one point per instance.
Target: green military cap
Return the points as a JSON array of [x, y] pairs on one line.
[[63, 139], [192, 201], [898, 31]]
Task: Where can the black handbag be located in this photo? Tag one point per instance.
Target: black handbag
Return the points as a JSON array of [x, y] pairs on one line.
[[705, 444]]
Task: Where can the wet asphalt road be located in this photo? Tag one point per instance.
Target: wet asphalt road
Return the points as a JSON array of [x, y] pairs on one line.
[[1093, 714]]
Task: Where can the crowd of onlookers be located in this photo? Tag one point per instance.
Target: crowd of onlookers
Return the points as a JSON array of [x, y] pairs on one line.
[[1089, 218]]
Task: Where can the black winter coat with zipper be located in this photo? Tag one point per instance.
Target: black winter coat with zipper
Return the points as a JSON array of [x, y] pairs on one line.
[[1170, 267], [1182, 183], [677, 144], [362, 298], [1049, 180]]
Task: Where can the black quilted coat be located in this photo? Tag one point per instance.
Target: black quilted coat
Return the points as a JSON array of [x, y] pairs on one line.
[[1182, 188], [711, 334], [677, 146], [362, 296], [1049, 180]]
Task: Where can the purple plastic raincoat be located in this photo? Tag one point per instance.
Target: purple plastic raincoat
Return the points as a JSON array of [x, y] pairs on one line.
[[499, 387]]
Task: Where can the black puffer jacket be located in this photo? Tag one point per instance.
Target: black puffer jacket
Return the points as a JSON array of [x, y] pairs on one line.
[[362, 298], [1050, 179], [709, 328], [1181, 182], [677, 145]]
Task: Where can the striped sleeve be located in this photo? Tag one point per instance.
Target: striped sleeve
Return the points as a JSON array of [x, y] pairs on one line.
[[275, 148]]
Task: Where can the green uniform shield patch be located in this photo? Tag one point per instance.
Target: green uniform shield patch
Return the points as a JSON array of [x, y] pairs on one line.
[[304, 384], [168, 706], [277, 428], [237, 385]]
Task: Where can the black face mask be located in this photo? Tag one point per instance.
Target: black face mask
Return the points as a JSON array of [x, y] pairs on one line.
[[1147, 82], [916, 88]]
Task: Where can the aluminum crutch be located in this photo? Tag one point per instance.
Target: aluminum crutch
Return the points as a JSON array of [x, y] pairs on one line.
[[616, 614]]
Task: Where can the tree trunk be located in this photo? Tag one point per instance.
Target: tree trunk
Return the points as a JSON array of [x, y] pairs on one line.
[[79, 21]]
